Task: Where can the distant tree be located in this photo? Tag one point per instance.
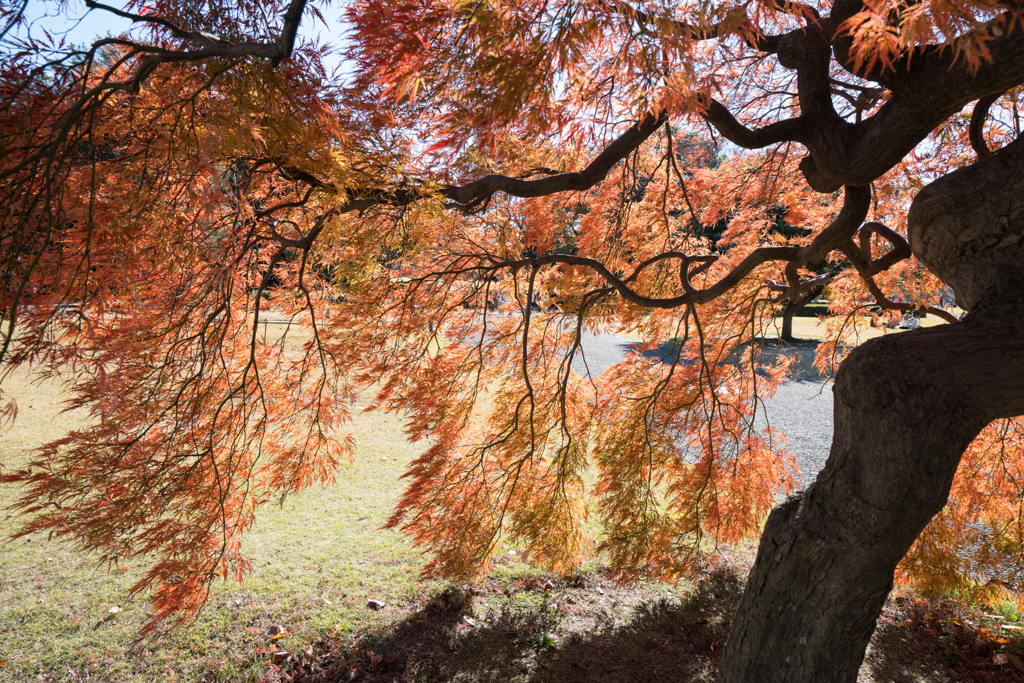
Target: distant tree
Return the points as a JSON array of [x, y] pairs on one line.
[[160, 190]]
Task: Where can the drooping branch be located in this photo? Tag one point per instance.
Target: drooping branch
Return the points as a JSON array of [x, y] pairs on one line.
[[754, 259], [855, 207], [475, 192], [835, 236]]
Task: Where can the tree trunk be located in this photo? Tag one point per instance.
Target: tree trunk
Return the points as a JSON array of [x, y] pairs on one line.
[[787, 321], [906, 407]]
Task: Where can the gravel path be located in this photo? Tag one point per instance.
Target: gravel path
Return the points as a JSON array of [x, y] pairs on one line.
[[802, 409]]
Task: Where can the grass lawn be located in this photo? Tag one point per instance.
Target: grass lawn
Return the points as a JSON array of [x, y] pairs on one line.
[[319, 557], [809, 327]]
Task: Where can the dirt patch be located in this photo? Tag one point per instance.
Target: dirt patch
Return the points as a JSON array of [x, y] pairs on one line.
[[528, 634], [543, 630], [921, 640]]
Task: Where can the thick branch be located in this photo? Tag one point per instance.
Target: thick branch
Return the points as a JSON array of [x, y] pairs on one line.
[[926, 90], [788, 130], [839, 231]]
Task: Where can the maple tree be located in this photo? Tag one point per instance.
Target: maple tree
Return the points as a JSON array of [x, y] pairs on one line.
[[447, 214]]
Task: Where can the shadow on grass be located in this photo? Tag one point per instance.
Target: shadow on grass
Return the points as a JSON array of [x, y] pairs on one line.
[[924, 641], [527, 637]]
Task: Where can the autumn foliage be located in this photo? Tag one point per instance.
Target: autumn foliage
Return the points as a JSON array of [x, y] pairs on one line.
[[443, 218]]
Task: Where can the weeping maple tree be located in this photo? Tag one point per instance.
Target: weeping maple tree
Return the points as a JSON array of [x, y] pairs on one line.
[[448, 204]]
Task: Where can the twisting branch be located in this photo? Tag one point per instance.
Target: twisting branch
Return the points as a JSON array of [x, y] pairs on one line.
[[694, 296], [867, 267], [900, 248]]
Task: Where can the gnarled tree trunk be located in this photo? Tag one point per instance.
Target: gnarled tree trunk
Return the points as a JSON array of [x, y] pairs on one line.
[[906, 408]]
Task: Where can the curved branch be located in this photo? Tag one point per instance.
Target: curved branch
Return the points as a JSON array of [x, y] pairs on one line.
[[900, 247], [787, 130], [696, 296], [976, 131], [474, 194], [855, 207]]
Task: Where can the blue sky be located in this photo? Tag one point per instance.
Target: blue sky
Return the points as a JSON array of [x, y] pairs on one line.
[[78, 25], [81, 26]]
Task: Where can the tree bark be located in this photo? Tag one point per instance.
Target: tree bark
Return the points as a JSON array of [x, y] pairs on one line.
[[790, 310], [906, 407], [787, 321]]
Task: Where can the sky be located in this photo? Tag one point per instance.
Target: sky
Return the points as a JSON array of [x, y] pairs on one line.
[[78, 25], [81, 26]]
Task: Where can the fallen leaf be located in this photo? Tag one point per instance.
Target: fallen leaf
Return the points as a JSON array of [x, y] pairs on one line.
[[375, 659], [375, 604], [280, 656], [114, 610], [469, 621], [1000, 658]]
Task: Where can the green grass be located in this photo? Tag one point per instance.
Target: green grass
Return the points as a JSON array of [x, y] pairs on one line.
[[318, 558], [321, 555]]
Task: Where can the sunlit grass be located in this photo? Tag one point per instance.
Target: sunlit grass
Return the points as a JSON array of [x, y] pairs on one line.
[[318, 557]]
